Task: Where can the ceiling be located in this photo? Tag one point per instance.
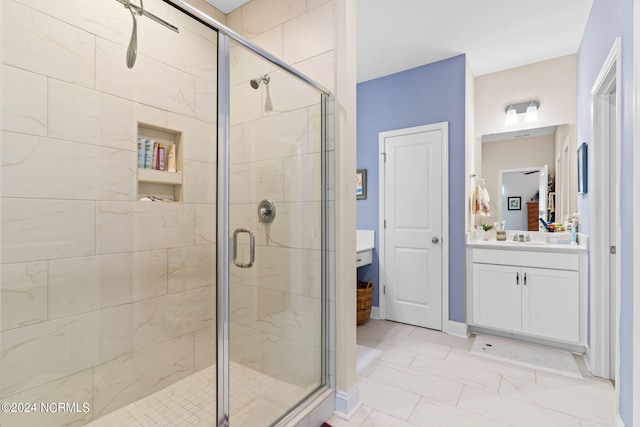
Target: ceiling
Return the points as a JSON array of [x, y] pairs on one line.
[[495, 34], [227, 6]]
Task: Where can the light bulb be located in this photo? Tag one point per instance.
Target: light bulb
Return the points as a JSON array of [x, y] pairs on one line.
[[532, 113], [512, 116]]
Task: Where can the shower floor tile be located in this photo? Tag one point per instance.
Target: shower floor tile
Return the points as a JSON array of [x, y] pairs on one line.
[[257, 399]]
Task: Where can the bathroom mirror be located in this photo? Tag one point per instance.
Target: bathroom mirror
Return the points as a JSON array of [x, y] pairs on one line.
[[522, 152], [523, 197]]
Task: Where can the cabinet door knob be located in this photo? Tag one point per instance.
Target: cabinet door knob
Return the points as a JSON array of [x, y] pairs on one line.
[[435, 240], [517, 278], [525, 279]]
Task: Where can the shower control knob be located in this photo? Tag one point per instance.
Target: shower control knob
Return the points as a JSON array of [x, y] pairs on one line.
[[435, 240], [266, 211]]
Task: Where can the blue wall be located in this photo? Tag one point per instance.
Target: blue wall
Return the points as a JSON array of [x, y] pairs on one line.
[[608, 20], [429, 94]]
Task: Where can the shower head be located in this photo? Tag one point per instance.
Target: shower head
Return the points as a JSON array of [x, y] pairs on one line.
[[255, 83]]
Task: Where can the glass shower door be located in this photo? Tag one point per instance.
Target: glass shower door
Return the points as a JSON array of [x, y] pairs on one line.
[[275, 228]]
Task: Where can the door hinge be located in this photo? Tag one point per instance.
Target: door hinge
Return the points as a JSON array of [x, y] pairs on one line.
[[612, 250], [384, 290], [384, 223], [384, 155]]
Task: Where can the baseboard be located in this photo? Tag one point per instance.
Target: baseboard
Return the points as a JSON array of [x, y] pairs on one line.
[[574, 348], [347, 403], [587, 359], [619, 422], [458, 329], [375, 313]]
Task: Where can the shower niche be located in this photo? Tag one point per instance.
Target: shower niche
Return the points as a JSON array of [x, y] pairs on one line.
[[161, 184]]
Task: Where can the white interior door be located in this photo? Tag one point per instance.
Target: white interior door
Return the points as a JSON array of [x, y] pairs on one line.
[[613, 233], [413, 216]]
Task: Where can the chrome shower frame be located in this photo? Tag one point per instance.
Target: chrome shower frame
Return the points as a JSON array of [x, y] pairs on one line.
[[225, 36]]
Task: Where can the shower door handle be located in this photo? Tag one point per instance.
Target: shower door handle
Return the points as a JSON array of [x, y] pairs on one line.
[[252, 247]]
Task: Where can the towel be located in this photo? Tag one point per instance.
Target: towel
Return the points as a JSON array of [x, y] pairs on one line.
[[486, 201], [475, 200]]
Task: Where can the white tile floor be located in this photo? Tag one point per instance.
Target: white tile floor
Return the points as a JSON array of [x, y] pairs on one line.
[[427, 378], [257, 399]]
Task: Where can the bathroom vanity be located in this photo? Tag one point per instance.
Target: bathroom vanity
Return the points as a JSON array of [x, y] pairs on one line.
[[364, 247], [534, 291]]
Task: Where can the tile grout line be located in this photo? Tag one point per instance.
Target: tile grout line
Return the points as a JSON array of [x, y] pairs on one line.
[[464, 386], [533, 403], [530, 382]]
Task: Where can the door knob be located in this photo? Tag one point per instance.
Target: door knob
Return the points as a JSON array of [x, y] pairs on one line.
[[435, 240]]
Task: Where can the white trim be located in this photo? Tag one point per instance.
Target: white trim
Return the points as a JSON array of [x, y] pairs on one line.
[[381, 227], [375, 312], [458, 329], [444, 127], [599, 187], [636, 209], [587, 356], [619, 422], [347, 403]]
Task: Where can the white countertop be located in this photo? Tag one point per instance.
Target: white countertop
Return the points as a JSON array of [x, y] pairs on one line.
[[365, 240], [536, 244]]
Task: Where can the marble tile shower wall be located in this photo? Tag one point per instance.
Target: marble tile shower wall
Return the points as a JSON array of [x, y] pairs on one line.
[[104, 299], [276, 306]]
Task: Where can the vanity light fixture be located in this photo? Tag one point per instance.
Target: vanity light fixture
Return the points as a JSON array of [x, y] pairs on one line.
[[528, 107], [512, 116], [532, 112]]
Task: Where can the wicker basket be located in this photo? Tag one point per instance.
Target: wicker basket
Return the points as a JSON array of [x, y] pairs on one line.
[[365, 296]]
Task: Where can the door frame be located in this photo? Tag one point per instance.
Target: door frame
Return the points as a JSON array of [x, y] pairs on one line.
[[565, 187], [636, 210], [599, 267], [382, 136]]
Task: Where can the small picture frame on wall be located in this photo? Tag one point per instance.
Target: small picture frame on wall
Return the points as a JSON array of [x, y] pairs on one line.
[[582, 169], [513, 203], [361, 184]]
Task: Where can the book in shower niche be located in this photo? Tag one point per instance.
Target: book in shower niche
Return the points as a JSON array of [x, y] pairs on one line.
[[156, 155], [159, 163]]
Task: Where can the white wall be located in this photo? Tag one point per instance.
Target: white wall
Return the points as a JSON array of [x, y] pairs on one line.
[[552, 83]]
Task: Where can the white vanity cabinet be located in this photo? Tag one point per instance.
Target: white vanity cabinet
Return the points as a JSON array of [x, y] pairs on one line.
[[497, 297], [529, 293], [550, 303]]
